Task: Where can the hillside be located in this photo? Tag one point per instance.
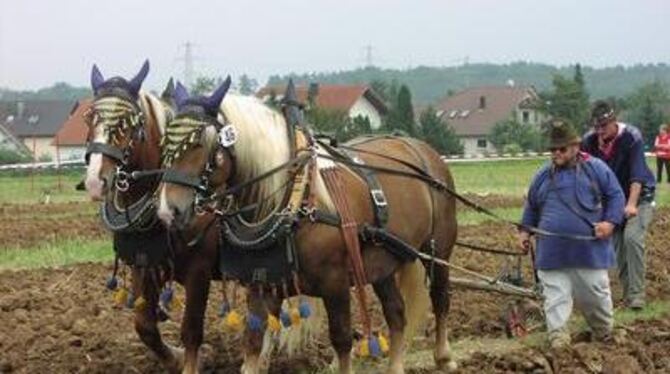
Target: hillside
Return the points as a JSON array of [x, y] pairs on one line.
[[430, 83]]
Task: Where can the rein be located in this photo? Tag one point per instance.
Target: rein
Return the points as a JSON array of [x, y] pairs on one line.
[[441, 186]]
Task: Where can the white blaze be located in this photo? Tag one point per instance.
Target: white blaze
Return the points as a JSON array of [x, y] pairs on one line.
[[164, 211], [94, 185]]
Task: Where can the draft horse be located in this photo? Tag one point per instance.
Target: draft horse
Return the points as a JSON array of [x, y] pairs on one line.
[[245, 153], [126, 127]]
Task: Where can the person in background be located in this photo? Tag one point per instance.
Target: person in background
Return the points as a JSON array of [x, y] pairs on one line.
[[621, 146], [662, 151], [576, 195]]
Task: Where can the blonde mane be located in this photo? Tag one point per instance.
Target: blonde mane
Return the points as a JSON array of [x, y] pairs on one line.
[[153, 106], [262, 145]]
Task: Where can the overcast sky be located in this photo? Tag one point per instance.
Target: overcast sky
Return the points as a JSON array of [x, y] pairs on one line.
[[44, 41]]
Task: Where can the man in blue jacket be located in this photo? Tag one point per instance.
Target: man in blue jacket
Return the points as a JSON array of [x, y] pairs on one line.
[[621, 146], [578, 197]]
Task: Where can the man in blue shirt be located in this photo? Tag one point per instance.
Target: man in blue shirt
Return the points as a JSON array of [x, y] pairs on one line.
[[621, 146], [578, 197]]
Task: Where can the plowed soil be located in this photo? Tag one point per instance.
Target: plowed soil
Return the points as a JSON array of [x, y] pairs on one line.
[[63, 320]]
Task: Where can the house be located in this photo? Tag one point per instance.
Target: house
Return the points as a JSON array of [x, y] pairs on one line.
[[356, 100], [35, 124], [9, 142], [71, 138], [474, 112]]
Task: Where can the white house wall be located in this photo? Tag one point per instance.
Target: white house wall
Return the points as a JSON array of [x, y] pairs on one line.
[[69, 153], [42, 147], [364, 108], [470, 146]]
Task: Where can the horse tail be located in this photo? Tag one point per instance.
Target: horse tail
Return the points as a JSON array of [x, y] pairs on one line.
[[414, 291]]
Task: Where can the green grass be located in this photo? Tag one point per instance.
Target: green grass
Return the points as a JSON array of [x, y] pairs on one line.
[[495, 177], [24, 188], [56, 254], [513, 177], [467, 216]]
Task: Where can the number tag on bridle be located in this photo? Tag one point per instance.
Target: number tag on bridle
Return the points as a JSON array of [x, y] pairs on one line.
[[227, 136]]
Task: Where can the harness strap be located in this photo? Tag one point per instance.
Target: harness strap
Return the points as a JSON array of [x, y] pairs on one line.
[[349, 229], [377, 196], [177, 177], [105, 149]]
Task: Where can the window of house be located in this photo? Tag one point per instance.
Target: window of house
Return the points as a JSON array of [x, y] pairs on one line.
[[526, 116], [481, 143]]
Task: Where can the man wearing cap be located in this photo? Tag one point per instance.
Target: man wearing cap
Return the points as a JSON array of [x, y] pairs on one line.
[[577, 197], [621, 146]]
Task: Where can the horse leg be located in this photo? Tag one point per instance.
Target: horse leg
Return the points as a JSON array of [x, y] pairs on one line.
[[253, 340], [196, 285], [146, 323], [339, 327], [394, 313], [439, 296]]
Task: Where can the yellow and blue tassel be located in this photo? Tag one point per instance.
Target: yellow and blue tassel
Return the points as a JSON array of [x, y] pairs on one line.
[[373, 346], [232, 321], [384, 344], [121, 297], [112, 283], [254, 323], [224, 309], [304, 309], [167, 297], [140, 304], [295, 317], [285, 318], [273, 323]]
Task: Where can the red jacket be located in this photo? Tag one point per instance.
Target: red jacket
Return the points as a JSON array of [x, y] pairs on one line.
[[662, 146]]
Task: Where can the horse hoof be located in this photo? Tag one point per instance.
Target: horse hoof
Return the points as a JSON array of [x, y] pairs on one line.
[[447, 365], [395, 370], [175, 364]]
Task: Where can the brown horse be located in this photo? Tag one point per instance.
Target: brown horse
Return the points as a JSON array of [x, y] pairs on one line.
[[250, 164], [125, 131]]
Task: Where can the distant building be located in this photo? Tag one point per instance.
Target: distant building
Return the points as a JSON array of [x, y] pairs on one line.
[[35, 123], [9, 142], [355, 100], [474, 112], [71, 138]]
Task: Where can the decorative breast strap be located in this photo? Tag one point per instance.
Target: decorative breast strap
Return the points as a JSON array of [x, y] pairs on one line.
[[333, 179]]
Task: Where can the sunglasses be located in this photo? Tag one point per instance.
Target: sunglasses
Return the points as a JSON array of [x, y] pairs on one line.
[[559, 149]]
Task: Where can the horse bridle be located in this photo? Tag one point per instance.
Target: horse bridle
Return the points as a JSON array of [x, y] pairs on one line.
[[201, 184], [125, 113]]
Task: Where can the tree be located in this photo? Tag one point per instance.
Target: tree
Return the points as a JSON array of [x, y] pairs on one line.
[[247, 85], [401, 115], [336, 123], [204, 85], [645, 108], [506, 133], [568, 99], [436, 132]]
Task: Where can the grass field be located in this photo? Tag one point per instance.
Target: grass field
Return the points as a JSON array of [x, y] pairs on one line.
[[24, 188], [56, 254], [513, 178]]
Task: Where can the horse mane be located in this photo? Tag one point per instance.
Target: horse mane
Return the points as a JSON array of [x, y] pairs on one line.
[[154, 108], [262, 145]]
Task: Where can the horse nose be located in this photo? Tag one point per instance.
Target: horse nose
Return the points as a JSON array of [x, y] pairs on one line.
[[95, 188]]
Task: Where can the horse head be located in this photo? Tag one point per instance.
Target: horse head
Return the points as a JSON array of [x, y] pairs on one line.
[[124, 131], [197, 156]]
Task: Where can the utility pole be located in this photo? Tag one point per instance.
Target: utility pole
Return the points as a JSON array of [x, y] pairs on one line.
[[187, 59], [368, 56]]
